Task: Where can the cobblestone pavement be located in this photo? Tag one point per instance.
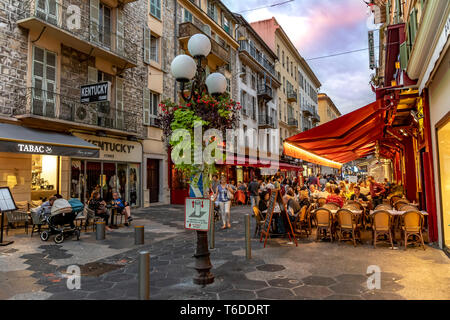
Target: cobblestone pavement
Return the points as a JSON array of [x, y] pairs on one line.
[[32, 269]]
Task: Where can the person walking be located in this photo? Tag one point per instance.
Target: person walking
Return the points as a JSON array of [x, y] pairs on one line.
[[224, 193], [253, 188]]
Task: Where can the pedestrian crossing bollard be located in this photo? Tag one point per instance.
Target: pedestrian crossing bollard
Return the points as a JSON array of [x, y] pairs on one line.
[[248, 248], [100, 230], [144, 276], [139, 235]]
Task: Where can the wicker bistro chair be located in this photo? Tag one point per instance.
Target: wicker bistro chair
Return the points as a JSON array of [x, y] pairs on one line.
[[406, 207], [399, 203], [352, 206], [382, 223], [303, 222], [90, 216], [394, 199], [321, 202], [18, 216], [331, 206], [259, 221], [412, 224], [324, 223], [383, 207], [38, 221], [348, 225]]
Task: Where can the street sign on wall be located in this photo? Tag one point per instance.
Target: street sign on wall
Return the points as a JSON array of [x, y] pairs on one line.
[[96, 92], [197, 214]]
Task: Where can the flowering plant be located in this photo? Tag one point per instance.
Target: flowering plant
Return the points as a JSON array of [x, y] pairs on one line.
[[220, 113]]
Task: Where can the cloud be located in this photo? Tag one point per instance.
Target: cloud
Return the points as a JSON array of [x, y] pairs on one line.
[[319, 28]]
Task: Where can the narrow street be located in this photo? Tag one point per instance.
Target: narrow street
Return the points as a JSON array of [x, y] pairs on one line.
[[33, 269]]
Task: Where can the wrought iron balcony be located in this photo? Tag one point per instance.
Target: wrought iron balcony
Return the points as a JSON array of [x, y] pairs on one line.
[[265, 92], [315, 118], [307, 110], [292, 96], [88, 37], [250, 49], [265, 121], [293, 122], [188, 29], [45, 105]]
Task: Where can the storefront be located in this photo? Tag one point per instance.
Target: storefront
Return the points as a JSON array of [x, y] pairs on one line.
[[30, 160], [118, 168]]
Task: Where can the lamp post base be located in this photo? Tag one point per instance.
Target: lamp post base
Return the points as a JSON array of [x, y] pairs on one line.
[[203, 263]]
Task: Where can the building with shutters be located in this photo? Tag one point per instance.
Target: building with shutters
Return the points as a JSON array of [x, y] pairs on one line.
[[49, 50], [327, 109], [297, 95]]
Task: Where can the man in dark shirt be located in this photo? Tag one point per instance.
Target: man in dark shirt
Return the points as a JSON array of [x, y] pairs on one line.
[[376, 191], [357, 195], [253, 188]]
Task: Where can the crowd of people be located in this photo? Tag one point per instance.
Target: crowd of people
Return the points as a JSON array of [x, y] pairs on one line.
[[298, 192]]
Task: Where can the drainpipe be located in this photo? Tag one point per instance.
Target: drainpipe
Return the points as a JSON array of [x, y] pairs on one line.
[[141, 189]]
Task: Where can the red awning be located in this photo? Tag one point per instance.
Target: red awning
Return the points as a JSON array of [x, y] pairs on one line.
[[344, 139]]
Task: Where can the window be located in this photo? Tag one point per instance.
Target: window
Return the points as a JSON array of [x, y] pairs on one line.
[[155, 8], [151, 101], [154, 48], [282, 57], [44, 82], [228, 85], [47, 10], [278, 51], [225, 24], [287, 64], [253, 81], [105, 25], [187, 16], [253, 108], [212, 10]]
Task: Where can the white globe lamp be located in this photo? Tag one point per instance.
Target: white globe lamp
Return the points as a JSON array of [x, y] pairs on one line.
[[216, 83], [183, 68], [199, 45]]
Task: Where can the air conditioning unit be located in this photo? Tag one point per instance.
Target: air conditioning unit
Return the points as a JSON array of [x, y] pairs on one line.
[[81, 113]]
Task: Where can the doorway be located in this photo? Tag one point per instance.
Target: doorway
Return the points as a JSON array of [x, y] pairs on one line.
[[153, 179]]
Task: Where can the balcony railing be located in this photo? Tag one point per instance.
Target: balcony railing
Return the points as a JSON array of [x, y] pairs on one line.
[[307, 110], [188, 29], [265, 91], [293, 122], [265, 121], [292, 96], [315, 117], [87, 31], [244, 45], [52, 105]]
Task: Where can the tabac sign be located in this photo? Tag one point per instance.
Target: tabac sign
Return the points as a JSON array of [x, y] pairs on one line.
[[96, 92], [197, 214]]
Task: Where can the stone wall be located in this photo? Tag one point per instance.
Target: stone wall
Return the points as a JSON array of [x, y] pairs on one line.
[[13, 54]]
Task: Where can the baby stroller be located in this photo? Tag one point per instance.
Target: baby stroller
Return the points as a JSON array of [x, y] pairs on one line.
[[61, 222], [216, 210]]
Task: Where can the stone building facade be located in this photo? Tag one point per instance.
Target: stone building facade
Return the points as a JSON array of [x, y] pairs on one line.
[[48, 50]]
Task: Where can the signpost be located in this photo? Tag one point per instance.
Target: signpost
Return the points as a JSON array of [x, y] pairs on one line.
[[96, 92], [6, 204], [275, 198], [371, 50]]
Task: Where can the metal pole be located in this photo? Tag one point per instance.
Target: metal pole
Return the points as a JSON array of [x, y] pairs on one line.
[[100, 230], [139, 235], [144, 275], [248, 247], [212, 228]]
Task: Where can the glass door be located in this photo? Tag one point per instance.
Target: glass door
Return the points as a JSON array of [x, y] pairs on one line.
[[110, 181], [134, 184], [443, 141], [93, 178], [122, 174], [77, 180]]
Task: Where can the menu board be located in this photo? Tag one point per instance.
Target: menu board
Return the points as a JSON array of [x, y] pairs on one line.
[[6, 200], [275, 198]]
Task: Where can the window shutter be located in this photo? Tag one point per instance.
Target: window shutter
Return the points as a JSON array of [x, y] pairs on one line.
[[120, 31], [388, 11], [413, 25], [146, 106], [119, 104], [92, 75], [38, 81], [147, 44], [94, 14], [403, 56]]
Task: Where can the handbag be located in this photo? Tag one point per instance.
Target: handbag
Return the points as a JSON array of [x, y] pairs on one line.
[[230, 194]]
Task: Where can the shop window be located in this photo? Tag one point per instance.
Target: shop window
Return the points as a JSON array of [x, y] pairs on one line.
[[155, 8], [44, 176]]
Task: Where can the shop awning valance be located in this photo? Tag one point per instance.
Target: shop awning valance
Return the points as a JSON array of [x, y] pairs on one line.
[[18, 139], [341, 140]]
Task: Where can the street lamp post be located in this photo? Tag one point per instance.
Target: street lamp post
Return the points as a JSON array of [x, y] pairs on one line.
[[184, 68]]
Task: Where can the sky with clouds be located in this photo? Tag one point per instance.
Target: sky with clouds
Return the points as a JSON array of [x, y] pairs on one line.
[[319, 28]]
